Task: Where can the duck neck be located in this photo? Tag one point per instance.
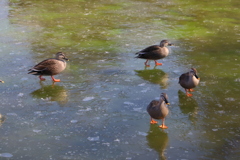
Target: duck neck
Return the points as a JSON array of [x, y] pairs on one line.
[[161, 45]]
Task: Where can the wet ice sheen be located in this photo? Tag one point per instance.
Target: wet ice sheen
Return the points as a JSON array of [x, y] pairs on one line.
[[6, 155]]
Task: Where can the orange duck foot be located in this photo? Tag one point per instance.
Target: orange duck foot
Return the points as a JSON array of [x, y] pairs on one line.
[[55, 80], [158, 64], [41, 79], [189, 94], [153, 122], [163, 127], [146, 64], [191, 90]]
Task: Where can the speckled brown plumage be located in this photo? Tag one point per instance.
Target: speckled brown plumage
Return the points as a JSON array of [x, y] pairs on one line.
[[50, 67], [158, 110], [154, 52], [189, 80]]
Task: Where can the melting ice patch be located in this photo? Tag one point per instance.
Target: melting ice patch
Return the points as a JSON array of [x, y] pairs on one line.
[[88, 98]]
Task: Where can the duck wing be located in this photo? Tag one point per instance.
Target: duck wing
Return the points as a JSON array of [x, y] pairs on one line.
[[148, 49], [42, 66], [184, 77]]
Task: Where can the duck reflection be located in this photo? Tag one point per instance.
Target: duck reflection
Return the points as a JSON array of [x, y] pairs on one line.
[[157, 140], [188, 105], [156, 76], [2, 119], [52, 93]]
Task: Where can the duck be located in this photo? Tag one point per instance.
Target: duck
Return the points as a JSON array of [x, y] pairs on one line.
[[154, 52], [157, 109], [50, 67], [2, 119], [189, 81]]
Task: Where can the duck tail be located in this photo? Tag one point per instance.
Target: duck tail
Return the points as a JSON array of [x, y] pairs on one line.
[[34, 72], [140, 55]]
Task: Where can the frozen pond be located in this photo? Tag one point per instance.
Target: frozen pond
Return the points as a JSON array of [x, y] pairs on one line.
[[98, 110]]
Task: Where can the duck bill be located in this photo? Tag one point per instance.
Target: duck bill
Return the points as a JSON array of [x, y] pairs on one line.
[[66, 59], [170, 44], [1, 81], [197, 76], [168, 103]]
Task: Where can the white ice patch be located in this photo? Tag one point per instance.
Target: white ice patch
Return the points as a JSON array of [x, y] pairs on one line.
[[11, 114], [36, 131], [190, 133], [142, 84], [20, 95], [237, 80], [137, 109], [84, 110], [73, 121], [128, 103], [230, 99], [117, 140], [105, 99], [142, 133], [88, 98], [93, 138]]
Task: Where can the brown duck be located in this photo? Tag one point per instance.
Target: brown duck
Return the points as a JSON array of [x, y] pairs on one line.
[[189, 80], [158, 110], [50, 67], [155, 52]]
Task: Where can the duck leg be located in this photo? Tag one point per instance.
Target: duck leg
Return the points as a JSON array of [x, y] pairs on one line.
[[41, 79], [55, 80], [153, 121], [191, 90], [157, 64], [146, 63], [188, 94], [163, 125]]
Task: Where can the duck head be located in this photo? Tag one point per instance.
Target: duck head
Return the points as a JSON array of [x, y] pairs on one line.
[[61, 55], [164, 97], [165, 43], [194, 72]]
